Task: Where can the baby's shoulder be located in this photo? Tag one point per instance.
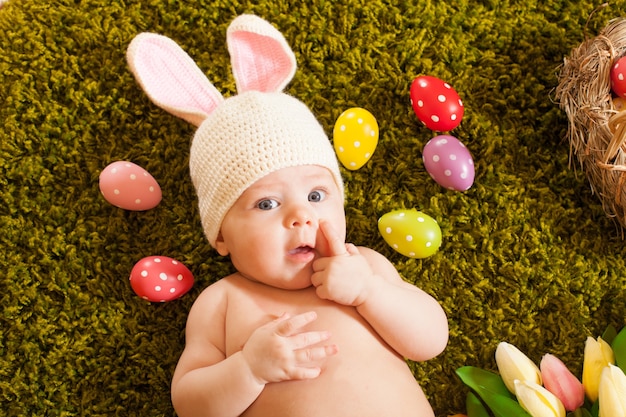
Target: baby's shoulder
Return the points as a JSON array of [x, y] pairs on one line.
[[369, 252], [213, 297], [220, 290], [374, 257], [379, 263]]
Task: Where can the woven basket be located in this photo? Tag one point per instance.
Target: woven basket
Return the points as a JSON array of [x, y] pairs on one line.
[[597, 121]]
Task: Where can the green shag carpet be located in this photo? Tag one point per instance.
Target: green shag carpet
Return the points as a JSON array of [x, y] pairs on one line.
[[528, 255]]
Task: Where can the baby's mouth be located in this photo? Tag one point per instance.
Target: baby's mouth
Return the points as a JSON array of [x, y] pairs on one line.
[[302, 254], [304, 249]]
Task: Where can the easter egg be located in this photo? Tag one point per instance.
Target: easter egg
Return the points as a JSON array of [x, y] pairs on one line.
[[355, 137], [619, 103], [618, 77], [436, 103], [160, 279], [129, 186], [449, 162], [410, 232]]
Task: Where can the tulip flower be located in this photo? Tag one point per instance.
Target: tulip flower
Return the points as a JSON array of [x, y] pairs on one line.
[[560, 381], [612, 392], [538, 401], [597, 356], [513, 364]]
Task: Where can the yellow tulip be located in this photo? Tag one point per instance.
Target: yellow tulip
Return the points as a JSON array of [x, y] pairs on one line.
[[612, 392], [598, 355], [538, 401], [513, 364]]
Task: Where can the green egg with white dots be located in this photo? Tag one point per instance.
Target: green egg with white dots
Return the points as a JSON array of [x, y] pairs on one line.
[[410, 232]]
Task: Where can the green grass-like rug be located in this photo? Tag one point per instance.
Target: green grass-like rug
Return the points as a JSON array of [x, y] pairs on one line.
[[528, 255]]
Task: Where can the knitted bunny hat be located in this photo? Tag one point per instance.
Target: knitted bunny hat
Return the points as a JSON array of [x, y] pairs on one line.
[[240, 139]]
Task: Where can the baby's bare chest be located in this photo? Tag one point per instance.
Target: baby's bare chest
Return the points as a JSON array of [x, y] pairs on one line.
[[248, 311], [365, 378]]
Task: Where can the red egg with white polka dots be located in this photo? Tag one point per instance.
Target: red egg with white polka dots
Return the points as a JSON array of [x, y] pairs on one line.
[[618, 77], [449, 162], [129, 186], [436, 103], [160, 279]]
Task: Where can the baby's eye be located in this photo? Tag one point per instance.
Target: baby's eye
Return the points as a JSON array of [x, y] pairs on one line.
[[267, 204], [317, 196]]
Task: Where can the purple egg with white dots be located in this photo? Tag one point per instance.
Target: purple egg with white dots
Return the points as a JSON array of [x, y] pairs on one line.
[[449, 162]]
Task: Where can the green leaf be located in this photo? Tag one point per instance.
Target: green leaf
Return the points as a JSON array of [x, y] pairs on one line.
[[585, 413], [502, 406], [477, 378], [579, 412], [491, 389], [609, 334], [619, 349], [474, 406]]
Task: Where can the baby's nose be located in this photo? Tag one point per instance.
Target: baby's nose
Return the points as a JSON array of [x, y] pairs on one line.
[[301, 216]]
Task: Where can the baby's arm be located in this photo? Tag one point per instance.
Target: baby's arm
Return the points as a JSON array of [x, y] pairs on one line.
[[207, 383], [407, 318]]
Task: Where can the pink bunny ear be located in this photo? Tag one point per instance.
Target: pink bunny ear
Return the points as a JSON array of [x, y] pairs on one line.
[[261, 58], [171, 78]]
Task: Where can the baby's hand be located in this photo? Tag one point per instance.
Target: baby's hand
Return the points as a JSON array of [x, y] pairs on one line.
[[344, 275], [281, 351]]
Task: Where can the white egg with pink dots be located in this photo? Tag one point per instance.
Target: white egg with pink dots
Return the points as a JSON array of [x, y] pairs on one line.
[[127, 185], [449, 162]]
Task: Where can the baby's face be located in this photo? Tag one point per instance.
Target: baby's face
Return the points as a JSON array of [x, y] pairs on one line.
[[272, 232]]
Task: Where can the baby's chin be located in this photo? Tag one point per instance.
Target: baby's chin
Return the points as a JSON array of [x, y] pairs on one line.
[[299, 281]]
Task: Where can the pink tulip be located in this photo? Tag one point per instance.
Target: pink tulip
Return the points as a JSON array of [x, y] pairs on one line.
[[561, 382]]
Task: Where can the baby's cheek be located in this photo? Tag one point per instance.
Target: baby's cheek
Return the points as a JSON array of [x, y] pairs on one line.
[[321, 245]]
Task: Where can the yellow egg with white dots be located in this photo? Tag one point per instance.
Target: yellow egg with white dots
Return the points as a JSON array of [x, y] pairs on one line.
[[410, 232], [355, 137]]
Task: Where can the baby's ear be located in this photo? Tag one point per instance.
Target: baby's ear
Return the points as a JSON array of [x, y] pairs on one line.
[[260, 56], [220, 245], [171, 78]]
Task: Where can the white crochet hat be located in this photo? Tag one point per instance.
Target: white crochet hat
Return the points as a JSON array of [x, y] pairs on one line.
[[245, 137]]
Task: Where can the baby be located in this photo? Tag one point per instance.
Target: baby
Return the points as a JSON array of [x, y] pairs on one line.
[[308, 325]]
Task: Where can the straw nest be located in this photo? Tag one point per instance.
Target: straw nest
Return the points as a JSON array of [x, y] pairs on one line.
[[597, 120]]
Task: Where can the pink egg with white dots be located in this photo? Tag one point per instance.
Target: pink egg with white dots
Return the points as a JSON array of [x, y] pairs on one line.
[[160, 279], [129, 186], [449, 162]]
